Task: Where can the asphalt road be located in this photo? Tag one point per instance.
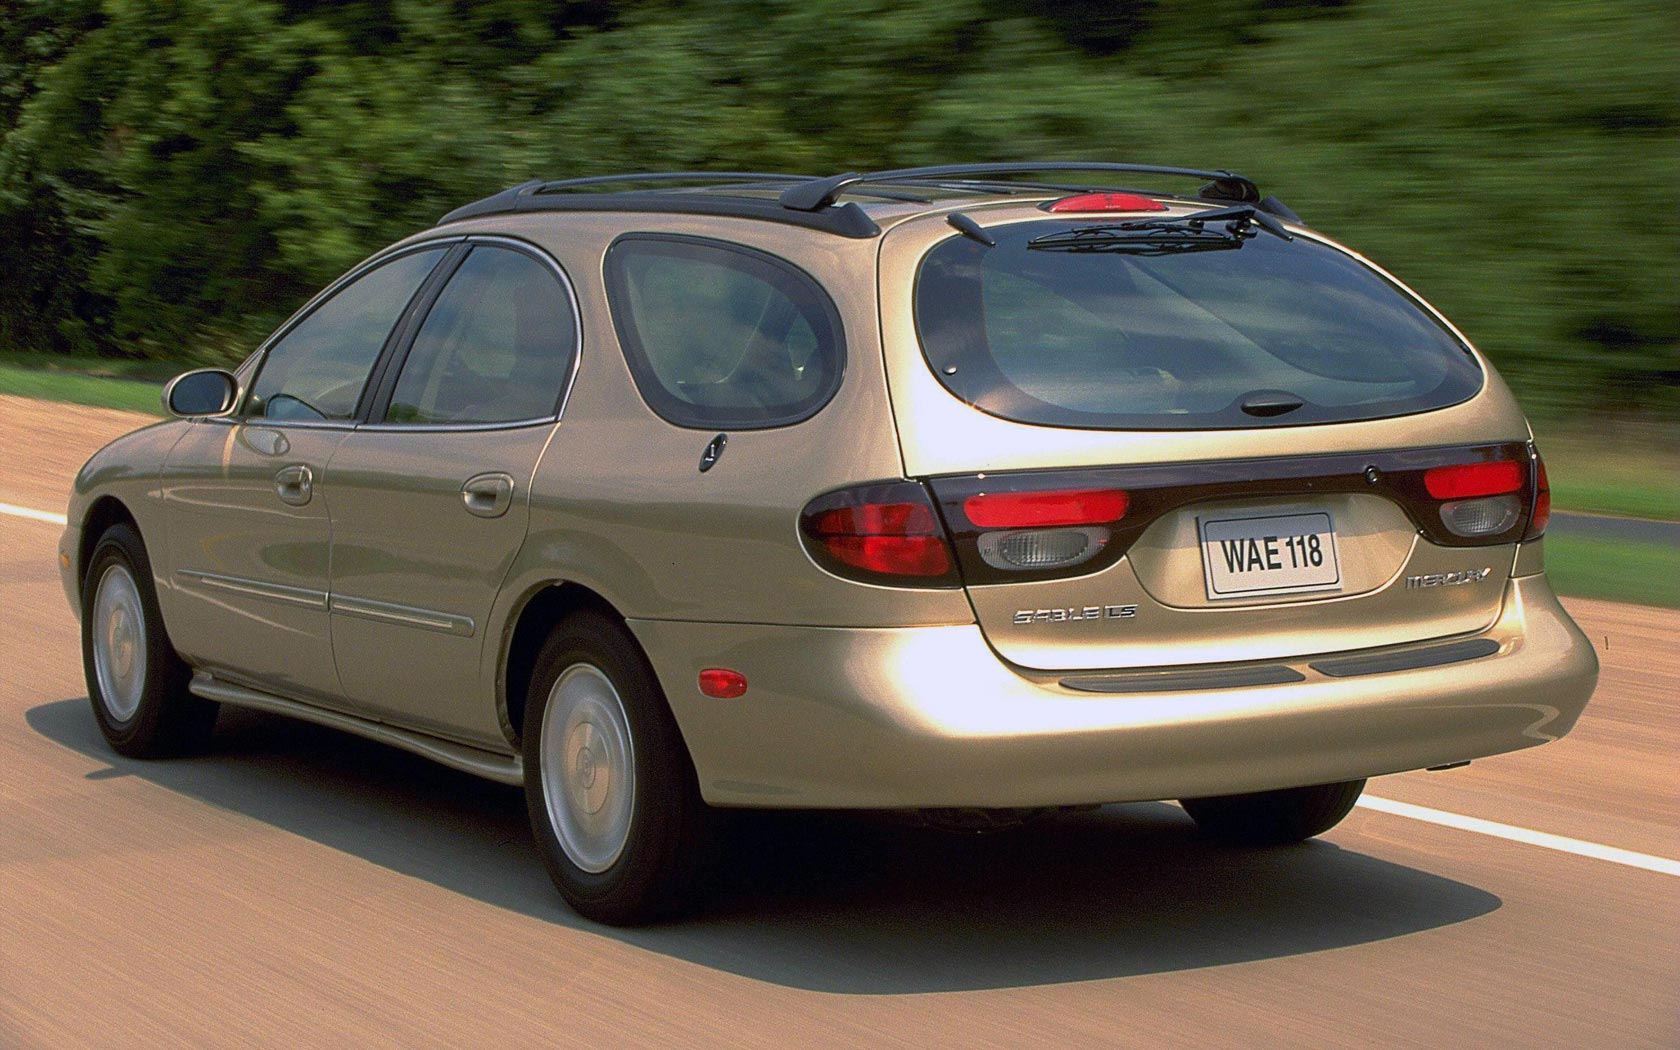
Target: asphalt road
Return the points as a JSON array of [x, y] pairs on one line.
[[299, 888]]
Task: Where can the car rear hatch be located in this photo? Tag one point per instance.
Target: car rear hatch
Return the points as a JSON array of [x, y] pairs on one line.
[[1180, 444]]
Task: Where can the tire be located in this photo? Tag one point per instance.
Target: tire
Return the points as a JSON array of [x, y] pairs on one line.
[[135, 680], [1274, 818], [611, 792]]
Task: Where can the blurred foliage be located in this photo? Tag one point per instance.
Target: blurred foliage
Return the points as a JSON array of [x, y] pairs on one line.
[[176, 175]]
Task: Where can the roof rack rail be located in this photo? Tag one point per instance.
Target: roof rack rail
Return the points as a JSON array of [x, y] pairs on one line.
[[694, 177], [820, 193], [809, 201], [848, 220]]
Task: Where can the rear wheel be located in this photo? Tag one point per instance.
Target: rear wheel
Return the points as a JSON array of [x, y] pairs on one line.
[[137, 684], [1273, 818], [609, 787]]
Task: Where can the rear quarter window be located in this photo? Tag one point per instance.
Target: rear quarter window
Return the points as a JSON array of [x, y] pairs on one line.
[[720, 336], [1180, 340]]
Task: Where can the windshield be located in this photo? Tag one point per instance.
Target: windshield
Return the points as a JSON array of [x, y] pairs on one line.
[[1262, 331]]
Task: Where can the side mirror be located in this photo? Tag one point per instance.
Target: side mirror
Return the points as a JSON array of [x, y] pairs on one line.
[[201, 392]]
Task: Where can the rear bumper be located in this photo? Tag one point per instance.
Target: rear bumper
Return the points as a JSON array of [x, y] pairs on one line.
[[929, 716]]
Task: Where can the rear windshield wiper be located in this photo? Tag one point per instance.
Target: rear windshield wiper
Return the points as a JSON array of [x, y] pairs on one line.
[[1199, 231]]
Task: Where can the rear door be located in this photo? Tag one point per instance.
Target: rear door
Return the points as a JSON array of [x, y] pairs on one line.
[[1196, 451], [431, 496]]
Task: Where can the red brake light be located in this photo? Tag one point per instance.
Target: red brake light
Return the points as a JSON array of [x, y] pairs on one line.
[[1107, 202], [1469, 480], [1033, 510], [885, 531], [1542, 501]]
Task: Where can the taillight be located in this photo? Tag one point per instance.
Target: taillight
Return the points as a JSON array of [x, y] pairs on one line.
[[1542, 501], [881, 533], [1049, 529], [1021, 510], [1482, 499], [1467, 480], [1106, 202]]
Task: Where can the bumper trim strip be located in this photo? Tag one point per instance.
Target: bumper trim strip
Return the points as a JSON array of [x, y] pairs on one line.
[[1406, 660], [1182, 681]]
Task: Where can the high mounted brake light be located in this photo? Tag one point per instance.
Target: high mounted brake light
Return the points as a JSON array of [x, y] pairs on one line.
[[1088, 202]]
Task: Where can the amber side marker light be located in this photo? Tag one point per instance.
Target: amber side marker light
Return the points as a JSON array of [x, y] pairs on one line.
[[723, 684]]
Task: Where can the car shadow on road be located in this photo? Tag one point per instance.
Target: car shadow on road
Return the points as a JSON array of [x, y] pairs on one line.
[[833, 902]]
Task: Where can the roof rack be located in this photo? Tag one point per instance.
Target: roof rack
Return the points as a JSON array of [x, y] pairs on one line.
[[809, 201], [847, 220], [820, 193]]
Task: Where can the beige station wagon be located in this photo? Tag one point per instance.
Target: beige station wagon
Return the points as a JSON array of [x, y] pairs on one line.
[[946, 490]]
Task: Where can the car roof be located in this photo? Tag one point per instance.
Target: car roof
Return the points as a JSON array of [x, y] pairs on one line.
[[851, 204]]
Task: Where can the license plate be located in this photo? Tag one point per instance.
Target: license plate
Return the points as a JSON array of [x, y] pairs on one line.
[[1280, 554]]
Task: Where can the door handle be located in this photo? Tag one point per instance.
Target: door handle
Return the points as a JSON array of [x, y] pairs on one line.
[[295, 485], [488, 495]]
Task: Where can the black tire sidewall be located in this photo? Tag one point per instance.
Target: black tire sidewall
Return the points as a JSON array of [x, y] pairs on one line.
[[1275, 818], [648, 880], [146, 733]]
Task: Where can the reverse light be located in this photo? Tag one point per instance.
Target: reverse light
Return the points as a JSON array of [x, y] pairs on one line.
[[1106, 202], [882, 533], [1040, 548], [1487, 516]]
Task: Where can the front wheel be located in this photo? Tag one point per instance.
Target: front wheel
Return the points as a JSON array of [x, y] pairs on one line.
[[609, 787], [137, 684], [1274, 818]]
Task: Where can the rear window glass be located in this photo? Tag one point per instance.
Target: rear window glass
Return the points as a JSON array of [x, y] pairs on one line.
[[722, 337], [1180, 340]]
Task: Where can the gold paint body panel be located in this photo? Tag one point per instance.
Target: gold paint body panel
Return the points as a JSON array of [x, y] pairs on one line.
[[860, 695], [930, 717]]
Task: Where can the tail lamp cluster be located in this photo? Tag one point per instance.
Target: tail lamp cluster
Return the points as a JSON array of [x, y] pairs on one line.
[[1042, 525], [892, 533], [1487, 499]]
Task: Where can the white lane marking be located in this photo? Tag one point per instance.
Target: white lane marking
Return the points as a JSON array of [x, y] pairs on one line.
[[1545, 840], [33, 515]]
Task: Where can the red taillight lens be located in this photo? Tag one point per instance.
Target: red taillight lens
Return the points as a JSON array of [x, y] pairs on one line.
[[1106, 202], [1037, 510], [877, 519], [1469, 480], [1542, 501], [879, 533]]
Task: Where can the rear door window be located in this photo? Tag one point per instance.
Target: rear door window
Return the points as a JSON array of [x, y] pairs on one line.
[[317, 370], [495, 347], [720, 336], [1110, 338]]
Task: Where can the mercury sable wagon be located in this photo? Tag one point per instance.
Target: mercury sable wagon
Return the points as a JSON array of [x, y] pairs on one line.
[[972, 491]]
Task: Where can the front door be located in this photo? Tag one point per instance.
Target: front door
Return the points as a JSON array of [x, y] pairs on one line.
[[247, 509], [430, 497]]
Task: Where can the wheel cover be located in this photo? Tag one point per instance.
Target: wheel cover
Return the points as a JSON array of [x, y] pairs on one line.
[[119, 643], [588, 766]]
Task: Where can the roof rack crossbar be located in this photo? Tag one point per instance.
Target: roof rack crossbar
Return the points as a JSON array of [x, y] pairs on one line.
[[698, 177], [820, 193]]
